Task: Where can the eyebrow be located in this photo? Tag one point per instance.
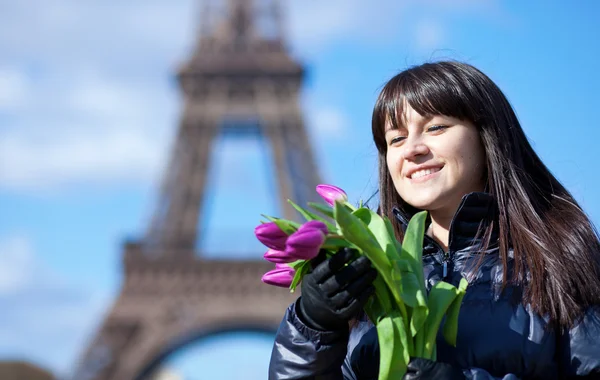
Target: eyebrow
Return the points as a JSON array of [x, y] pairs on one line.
[[421, 120]]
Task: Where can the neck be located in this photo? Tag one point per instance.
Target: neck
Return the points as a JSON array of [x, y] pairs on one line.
[[439, 229]]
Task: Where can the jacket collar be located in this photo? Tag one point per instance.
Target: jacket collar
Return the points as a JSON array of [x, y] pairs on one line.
[[475, 208]]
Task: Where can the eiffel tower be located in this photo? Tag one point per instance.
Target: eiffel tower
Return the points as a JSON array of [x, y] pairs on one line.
[[239, 79]]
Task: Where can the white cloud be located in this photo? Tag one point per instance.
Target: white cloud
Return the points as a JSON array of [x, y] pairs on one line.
[[99, 131], [14, 88], [44, 319], [429, 34], [81, 158], [329, 123], [89, 104], [315, 25], [16, 258]]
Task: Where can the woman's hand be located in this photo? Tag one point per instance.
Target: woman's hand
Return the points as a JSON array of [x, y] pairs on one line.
[[336, 290]]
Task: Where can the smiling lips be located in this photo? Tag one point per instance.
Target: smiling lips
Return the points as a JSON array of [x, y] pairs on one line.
[[422, 173]]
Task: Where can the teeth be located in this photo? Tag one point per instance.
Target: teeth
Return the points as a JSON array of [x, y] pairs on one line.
[[422, 173]]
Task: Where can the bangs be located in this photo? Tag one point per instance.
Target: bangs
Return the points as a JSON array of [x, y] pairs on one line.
[[430, 89]]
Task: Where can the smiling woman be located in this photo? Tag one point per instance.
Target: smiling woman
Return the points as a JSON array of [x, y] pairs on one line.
[[433, 161], [449, 143]]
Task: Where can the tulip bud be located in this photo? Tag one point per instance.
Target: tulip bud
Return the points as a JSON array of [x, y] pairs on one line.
[[315, 224], [331, 193], [305, 244], [271, 235], [283, 266], [276, 256], [279, 277]]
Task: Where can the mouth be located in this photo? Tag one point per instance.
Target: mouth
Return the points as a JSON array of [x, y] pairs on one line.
[[424, 174]]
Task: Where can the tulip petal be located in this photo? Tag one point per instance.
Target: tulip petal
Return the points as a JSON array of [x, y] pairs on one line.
[[271, 235], [276, 256], [315, 224], [305, 244], [278, 277], [331, 193]]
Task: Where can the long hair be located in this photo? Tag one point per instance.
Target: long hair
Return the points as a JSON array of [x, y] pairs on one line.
[[555, 246]]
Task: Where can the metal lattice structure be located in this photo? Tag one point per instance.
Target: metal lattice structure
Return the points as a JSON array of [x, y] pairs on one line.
[[240, 72]]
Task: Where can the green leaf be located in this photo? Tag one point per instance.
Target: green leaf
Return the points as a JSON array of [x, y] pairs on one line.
[[357, 233], [374, 308], [441, 296], [300, 272], [296, 264], [450, 329], [323, 209], [394, 356], [390, 230], [412, 245], [411, 294], [383, 295], [385, 336], [406, 280], [287, 226], [419, 313], [379, 304], [310, 216], [334, 243], [379, 229], [412, 252], [402, 351]]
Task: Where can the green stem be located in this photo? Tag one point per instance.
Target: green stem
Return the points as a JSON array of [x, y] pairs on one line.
[[419, 344], [382, 294], [349, 206]]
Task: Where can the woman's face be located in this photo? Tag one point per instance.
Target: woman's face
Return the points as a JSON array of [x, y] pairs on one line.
[[435, 161]]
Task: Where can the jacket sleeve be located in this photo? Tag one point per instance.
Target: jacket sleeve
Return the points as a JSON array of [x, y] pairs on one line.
[[300, 352], [580, 347], [481, 374]]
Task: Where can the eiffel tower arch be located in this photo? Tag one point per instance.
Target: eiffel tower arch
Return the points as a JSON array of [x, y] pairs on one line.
[[240, 77]]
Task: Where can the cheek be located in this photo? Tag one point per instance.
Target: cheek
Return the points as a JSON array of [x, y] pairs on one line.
[[393, 164], [475, 161]]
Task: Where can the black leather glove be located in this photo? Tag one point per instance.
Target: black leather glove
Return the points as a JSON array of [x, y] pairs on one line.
[[334, 292], [421, 369]]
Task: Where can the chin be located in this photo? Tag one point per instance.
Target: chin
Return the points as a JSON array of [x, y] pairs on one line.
[[421, 204], [427, 201]]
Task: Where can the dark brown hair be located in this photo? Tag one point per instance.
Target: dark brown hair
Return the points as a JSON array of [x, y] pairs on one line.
[[555, 246]]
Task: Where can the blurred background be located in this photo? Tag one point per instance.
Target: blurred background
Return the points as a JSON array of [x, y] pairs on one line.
[[89, 107]]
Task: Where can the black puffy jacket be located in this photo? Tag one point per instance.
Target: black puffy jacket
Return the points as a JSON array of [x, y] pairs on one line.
[[498, 337]]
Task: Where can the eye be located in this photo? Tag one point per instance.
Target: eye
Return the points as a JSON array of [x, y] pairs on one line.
[[396, 140], [435, 128]]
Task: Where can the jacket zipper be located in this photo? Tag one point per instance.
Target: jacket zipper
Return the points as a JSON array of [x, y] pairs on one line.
[[445, 265], [446, 257]]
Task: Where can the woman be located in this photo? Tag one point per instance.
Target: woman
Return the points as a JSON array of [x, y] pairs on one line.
[[450, 143]]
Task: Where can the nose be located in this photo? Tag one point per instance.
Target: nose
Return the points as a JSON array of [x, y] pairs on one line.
[[414, 147]]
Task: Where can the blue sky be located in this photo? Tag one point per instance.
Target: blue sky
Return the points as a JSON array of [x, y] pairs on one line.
[[88, 108]]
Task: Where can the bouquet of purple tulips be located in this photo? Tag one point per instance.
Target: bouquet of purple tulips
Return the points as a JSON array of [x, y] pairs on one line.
[[406, 317]]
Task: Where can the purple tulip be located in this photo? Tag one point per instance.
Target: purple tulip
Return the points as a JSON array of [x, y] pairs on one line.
[[305, 244], [279, 277], [276, 256], [314, 224], [271, 235], [331, 193], [283, 266]]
